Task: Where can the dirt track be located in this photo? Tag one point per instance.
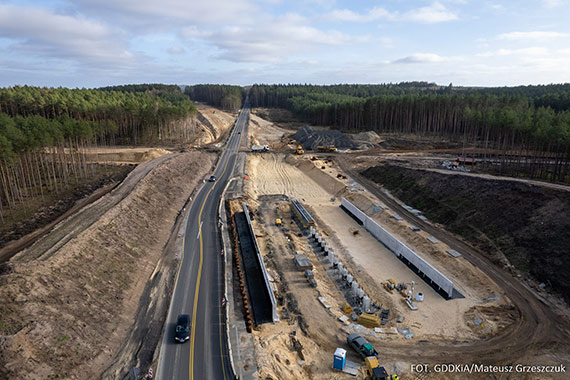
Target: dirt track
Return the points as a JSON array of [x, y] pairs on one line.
[[79, 221], [538, 330]]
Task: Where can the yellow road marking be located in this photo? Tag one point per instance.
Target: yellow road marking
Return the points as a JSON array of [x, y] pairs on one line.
[[197, 290]]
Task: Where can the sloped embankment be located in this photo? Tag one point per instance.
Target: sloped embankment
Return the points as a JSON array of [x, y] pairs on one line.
[[212, 124], [527, 224], [67, 316]]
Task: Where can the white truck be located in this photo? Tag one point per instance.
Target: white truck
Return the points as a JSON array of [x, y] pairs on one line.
[[260, 148]]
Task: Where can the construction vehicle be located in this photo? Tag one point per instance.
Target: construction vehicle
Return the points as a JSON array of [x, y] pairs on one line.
[[374, 370], [260, 148], [361, 345], [299, 150], [390, 285], [384, 315], [278, 222], [327, 148]]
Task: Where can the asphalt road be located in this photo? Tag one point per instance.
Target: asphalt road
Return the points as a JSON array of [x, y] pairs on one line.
[[199, 283]]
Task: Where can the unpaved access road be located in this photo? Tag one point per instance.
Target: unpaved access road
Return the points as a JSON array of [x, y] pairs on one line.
[[539, 328], [77, 222]]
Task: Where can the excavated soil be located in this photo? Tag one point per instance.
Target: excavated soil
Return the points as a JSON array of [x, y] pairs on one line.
[[528, 225]]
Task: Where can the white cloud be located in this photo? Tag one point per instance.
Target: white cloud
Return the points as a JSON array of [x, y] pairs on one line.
[[436, 12], [552, 3], [373, 14], [274, 39], [168, 13], [536, 36], [194, 32], [529, 51], [175, 50], [36, 31], [426, 58]]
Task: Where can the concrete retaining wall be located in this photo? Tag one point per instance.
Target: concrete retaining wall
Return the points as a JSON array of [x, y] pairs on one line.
[[275, 316], [400, 249]]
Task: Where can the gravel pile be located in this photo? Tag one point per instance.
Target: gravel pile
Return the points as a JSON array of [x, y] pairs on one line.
[[311, 138]]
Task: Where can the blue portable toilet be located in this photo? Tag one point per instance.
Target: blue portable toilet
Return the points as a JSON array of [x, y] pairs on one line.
[[339, 359]]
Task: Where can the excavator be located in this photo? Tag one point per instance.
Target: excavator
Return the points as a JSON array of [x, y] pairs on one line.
[[299, 150]]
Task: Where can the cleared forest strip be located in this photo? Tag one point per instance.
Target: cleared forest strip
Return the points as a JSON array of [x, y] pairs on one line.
[[14, 247], [78, 222], [499, 178]]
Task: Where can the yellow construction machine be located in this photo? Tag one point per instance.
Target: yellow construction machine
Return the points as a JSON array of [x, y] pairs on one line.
[[299, 150], [390, 285], [327, 148], [374, 370]]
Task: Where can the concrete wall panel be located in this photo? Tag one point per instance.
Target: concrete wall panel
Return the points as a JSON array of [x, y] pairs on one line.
[[400, 249]]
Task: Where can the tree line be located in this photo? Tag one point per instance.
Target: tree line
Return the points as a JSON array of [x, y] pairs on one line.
[[152, 88], [229, 98], [526, 129], [39, 156], [128, 117], [44, 132]]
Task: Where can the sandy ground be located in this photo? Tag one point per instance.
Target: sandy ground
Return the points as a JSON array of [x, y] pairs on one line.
[[212, 124], [275, 356], [263, 132], [367, 256], [123, 155], [437, 319], [445, 331], [270, 174], [66, 315]]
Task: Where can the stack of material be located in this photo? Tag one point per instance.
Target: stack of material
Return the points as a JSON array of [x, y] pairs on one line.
[[369, 320], [302, 262]]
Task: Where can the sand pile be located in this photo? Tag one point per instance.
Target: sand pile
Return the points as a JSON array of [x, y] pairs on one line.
[[153, 153], [369, 136]]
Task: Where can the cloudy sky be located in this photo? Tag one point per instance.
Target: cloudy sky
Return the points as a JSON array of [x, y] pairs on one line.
[[91, 43]]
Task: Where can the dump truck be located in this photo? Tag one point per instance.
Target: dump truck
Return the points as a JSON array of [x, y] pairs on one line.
[[327, 148], [361, 345], [260, 148], [299, 150], [374, 370]]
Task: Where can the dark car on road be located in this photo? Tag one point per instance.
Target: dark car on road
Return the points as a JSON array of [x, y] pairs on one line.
[[212, 178], [182, 328]]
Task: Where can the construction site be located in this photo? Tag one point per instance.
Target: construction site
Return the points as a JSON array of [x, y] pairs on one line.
[[329, 273], [362, 284]]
